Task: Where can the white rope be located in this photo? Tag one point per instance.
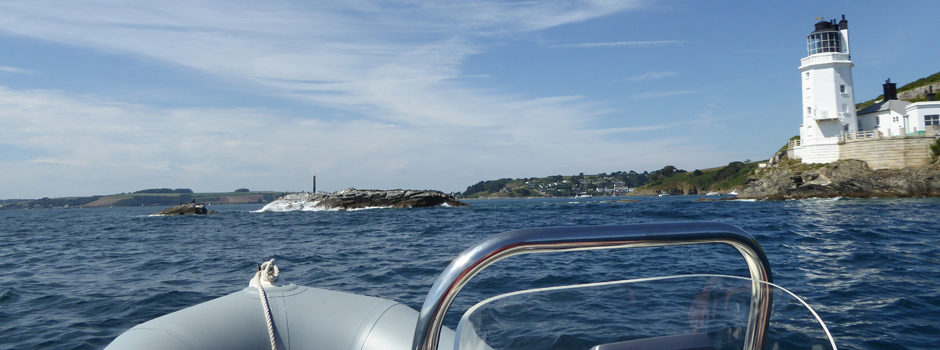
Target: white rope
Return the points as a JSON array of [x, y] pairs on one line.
[[268, 272]]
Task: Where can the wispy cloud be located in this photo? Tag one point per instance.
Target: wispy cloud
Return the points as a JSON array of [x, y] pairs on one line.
[[661, 94], [647, 43], [14, 70], [394, 62], [103, 146], [409, 117], [653, 76]]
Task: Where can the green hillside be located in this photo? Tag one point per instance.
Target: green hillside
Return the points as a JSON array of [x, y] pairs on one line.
[[721, 179], [149, 197], [668, 179], [935, 78]]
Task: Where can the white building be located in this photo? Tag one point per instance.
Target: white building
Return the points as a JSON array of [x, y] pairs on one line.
[[893, 117], [920, 116], [828, 94], [885, 117]]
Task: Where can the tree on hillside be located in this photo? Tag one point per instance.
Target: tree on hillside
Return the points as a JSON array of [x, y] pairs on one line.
[[729, 171], [487, 186]]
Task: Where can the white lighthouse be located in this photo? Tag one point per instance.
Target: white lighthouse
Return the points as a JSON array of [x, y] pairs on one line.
[[828, 95]]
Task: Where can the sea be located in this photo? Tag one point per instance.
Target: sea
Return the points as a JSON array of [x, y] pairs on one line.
[[77, 278]]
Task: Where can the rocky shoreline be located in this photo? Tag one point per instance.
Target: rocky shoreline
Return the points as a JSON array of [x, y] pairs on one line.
[[351, 199], [845, 178]]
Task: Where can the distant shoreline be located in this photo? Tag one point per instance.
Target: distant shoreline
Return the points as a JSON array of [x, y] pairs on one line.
[[142, 199]]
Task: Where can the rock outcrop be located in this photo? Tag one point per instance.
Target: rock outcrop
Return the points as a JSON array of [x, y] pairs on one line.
[[187, 209], [845, 178], [350, 199]]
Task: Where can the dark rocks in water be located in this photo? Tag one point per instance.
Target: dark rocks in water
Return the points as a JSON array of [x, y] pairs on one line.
[[187, 209], [350, 199], [624, 201], [845, 178]]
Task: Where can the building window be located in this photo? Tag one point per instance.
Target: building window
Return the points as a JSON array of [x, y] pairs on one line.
[[807, 75], [842, 88], [931, 119], [877, 121], [894, 119], [809, 110]]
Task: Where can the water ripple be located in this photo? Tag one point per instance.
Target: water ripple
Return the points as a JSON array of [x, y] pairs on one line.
[[77, 278]]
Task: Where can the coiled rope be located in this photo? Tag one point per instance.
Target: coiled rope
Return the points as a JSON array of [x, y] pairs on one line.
[[268, 273]]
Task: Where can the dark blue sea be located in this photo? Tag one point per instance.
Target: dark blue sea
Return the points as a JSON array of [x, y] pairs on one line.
[[76, 278]]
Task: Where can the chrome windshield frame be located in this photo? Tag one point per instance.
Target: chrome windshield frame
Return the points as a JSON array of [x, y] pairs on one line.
[[573, 238]]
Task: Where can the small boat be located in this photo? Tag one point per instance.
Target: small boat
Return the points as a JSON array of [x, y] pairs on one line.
[[585, 195], [733, 193], [713, 193], [673, 312]]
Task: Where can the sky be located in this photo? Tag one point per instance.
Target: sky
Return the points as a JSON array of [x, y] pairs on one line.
[[103, 97]]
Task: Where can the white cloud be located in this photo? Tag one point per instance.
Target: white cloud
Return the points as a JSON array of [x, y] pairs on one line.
[[395, 67], [387, 61], [83, 145], [647, 43], [660, 94], [14, 70], [653, 76]]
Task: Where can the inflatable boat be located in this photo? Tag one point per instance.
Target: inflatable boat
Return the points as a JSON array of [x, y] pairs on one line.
[[700, 311]]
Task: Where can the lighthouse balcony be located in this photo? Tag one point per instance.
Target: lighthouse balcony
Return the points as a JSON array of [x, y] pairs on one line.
[[825, 115], [824, 58]]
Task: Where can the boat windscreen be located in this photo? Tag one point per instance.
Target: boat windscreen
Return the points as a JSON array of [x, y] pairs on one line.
[[674, 312]]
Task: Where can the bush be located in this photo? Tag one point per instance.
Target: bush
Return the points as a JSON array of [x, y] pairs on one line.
[[935, 149], [242, 190]]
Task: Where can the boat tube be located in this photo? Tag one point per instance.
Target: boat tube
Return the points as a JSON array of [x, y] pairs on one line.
[[304, 318]]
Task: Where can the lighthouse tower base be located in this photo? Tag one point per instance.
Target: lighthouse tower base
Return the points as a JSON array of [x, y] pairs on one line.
[[818, 153]]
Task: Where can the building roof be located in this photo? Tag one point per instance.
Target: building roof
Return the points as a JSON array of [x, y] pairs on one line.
[[826, 26], [922, 104], [896, 105]]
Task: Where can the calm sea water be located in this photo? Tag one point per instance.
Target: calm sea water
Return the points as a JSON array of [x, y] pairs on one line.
[[77, 278]]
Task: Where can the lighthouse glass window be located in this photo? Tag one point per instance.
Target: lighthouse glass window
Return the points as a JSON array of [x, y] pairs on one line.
[[824, 42]]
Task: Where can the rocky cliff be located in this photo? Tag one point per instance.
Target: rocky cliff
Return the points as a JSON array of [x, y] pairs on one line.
[[846, 178], [349, 199]]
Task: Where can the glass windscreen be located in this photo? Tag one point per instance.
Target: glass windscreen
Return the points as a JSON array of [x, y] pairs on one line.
[[677, 312]]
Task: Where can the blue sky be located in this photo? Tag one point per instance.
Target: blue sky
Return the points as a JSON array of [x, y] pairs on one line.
[[100, 97]]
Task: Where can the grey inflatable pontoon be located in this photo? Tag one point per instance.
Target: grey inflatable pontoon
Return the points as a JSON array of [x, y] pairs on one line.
[[304, 318], [275, 315]]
